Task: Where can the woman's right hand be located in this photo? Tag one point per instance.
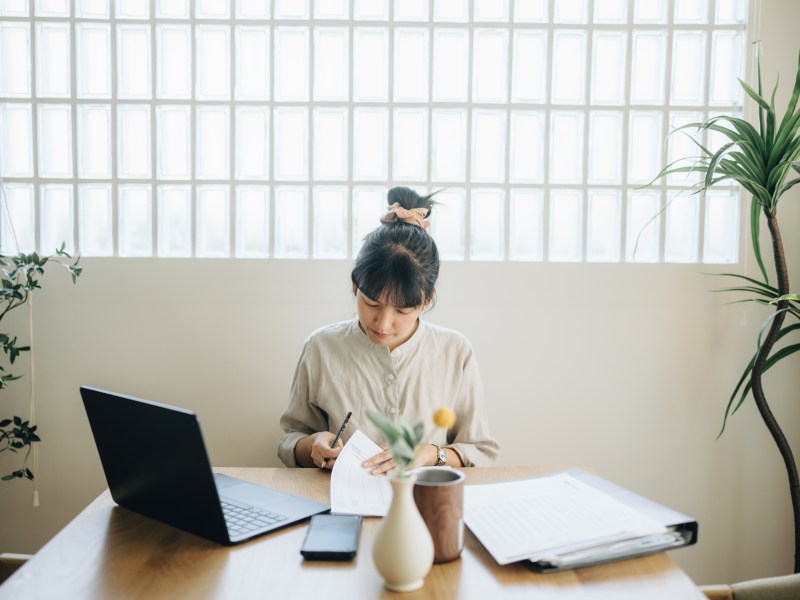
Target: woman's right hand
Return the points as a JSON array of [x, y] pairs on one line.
[[321, 453]]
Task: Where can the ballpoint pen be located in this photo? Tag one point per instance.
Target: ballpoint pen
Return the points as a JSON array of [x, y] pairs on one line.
[[338, 435]]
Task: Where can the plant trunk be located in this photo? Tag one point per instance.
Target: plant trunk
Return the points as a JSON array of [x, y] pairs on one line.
[[758, 390]]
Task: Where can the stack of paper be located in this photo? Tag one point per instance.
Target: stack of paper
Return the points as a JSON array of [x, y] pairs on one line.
[[545, 517]]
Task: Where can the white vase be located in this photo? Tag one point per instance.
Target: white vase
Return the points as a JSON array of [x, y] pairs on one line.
[[403, 548]]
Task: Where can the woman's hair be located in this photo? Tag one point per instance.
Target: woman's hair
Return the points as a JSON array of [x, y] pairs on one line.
[[399, 262]]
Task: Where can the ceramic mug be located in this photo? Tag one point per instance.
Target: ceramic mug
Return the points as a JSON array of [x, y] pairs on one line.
[[439, 495]]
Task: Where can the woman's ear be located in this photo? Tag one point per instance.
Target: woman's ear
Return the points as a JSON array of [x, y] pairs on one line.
[[430, 302]]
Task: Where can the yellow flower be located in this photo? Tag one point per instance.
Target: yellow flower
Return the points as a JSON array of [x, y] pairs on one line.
[[444, 417]]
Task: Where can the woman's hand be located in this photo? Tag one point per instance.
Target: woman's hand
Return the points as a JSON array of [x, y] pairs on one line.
[[315, 450], [380, 463]]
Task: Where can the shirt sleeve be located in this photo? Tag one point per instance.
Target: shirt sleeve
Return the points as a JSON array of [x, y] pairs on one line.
[[301, 417], [470, 437]]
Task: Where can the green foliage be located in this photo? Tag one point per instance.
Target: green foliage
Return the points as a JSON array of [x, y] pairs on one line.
[[401, 437], [19, 278], [764, 160]]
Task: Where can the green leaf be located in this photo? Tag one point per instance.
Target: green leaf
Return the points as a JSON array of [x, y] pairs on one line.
[[795, 95], [757, 282], [401, 438], [771, 361], [757, 97], [728, 411], [401, 449], [752, 290], [785, 297], [755, 229], [412, 435], [419, 430], [764, 325]]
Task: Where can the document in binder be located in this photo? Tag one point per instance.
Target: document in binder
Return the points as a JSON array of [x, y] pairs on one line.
[[570, 519]]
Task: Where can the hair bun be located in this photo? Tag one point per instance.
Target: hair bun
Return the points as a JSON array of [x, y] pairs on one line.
[[406, 206]]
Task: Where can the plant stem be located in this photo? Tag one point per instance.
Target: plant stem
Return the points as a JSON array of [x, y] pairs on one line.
[[758, 370]]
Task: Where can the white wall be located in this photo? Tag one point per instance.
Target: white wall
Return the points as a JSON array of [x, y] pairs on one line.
[[625, 369]]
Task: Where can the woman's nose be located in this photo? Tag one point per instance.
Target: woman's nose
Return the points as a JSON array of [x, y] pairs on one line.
[[383, 320]]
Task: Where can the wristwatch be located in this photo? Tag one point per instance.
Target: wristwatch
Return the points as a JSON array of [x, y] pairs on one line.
[[441, 455]]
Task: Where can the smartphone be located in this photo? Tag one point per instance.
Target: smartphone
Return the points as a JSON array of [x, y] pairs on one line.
[[331, 537]]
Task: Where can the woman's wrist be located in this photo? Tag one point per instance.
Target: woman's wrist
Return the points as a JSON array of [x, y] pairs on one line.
[[439, 456]]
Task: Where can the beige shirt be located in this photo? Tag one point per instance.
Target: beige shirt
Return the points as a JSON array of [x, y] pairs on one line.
[[341, 370]]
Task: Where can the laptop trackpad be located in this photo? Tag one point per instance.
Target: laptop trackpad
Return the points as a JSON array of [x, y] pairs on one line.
[[271, 500], [225, 481]]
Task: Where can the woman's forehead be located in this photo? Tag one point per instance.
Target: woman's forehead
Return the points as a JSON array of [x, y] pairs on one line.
[[387, 297]]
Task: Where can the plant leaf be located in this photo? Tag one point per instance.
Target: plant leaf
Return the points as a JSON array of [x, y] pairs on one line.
[[785, 297]]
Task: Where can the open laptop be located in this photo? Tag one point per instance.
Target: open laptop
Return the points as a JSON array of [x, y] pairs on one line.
[[156, 464]]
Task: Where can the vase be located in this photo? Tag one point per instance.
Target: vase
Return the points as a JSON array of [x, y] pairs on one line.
[[403, 548]]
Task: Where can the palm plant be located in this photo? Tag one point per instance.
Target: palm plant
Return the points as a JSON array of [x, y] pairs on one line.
[[764, 160]]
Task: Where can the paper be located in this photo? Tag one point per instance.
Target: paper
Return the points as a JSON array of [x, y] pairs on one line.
[[354, 489], [543, 517]]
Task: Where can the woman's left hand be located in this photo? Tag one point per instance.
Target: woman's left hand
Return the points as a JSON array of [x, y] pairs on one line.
[[380, 463]]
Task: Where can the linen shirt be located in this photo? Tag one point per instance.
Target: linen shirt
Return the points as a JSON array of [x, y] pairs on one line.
[[341, 370]]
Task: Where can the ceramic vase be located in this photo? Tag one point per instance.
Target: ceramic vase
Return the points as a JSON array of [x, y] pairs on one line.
[[403, 549]]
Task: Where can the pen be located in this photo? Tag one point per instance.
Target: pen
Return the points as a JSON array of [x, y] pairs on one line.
[[338, 435]]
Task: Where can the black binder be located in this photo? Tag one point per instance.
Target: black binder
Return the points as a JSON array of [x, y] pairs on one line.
[[681, 531]]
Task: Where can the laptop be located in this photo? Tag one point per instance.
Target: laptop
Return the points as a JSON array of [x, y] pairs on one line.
[[156, 464]]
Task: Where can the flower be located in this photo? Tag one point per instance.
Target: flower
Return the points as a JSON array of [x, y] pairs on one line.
[[403, 439], [444, 417]]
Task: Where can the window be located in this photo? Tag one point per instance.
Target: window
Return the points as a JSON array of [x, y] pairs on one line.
[[257, 128]]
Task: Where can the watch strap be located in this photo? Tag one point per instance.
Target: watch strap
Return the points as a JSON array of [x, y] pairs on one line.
[[441, 456]]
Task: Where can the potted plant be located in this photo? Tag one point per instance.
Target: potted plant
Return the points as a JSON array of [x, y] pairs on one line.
[[19, 278], [403, 550], [765, 160]]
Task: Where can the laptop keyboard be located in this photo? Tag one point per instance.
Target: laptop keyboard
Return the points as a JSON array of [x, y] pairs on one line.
[[241, 518]]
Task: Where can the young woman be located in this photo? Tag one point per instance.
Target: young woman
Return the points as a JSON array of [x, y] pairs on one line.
[[388, 359]]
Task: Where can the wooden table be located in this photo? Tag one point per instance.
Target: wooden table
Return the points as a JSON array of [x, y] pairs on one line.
[[109, 552]]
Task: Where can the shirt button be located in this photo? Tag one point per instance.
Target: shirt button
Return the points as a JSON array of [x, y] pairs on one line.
[[392, 410], [390, 376]]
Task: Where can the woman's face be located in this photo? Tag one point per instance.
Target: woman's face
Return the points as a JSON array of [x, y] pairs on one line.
[[385, 324]]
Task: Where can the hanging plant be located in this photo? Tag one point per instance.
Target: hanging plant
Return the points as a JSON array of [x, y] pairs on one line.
[[20, 277]]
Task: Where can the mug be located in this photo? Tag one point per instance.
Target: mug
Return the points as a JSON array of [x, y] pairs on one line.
[[439, 495]]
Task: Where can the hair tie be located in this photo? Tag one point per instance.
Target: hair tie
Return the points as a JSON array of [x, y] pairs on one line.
[[413, 216]]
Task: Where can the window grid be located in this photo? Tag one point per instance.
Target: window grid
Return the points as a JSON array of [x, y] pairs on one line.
[[483, 117]]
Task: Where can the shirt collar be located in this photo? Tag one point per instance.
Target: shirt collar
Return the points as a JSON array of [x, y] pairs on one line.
[[407, 346]]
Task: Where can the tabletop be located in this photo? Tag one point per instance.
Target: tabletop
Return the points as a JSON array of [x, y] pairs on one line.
[[110, 552]]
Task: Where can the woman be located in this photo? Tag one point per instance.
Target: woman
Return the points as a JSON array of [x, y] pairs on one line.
[[388, 359]]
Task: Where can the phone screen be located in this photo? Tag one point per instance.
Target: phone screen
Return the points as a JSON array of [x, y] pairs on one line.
[[331, 537]]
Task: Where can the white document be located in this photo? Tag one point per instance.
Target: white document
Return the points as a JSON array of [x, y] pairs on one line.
[[546, 516], [354, 489]]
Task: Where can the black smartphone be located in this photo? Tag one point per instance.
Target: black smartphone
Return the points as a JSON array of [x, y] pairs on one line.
[[331, 537]]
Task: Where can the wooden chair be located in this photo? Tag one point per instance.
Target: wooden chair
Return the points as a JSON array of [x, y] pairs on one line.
[[784, 587], [11, 562]]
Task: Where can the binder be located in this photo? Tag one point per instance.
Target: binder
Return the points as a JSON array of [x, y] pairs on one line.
[[681, 531]]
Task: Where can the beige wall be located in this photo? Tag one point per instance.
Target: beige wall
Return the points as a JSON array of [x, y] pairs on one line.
[[625, 369]]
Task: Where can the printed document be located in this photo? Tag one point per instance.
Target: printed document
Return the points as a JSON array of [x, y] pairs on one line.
[[354, 490], [544, 517]]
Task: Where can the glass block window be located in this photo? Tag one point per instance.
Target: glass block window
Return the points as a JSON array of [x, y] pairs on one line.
[[274, 128]]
